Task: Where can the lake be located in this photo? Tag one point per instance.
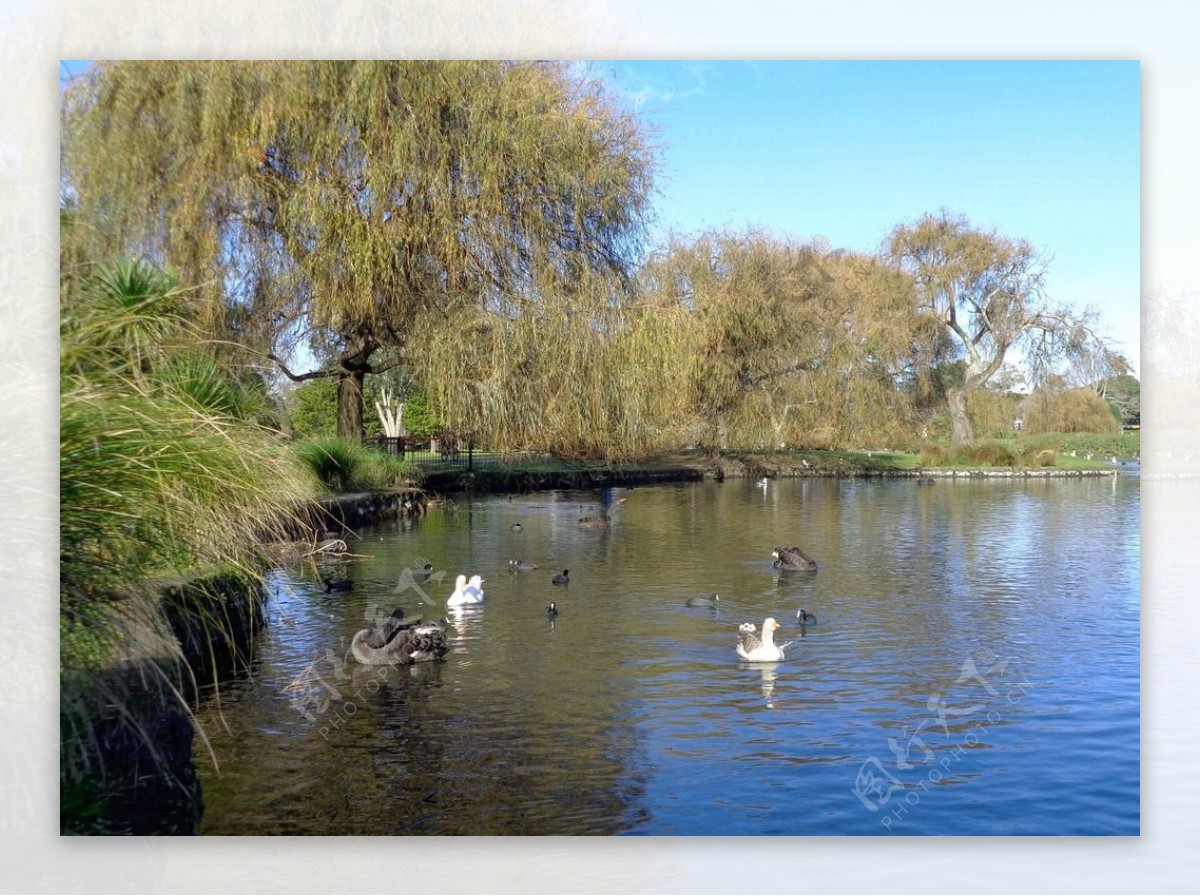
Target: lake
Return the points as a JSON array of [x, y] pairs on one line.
[[974, 669]]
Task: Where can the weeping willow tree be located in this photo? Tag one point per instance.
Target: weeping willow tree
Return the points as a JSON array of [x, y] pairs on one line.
[[785, 345], [599, 377], [342, 206]]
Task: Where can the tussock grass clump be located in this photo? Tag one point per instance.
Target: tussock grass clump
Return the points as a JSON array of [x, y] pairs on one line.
[[335, 462], [1043, 450], [150, 486], [1046, 457], [935, 455], [345, 465]]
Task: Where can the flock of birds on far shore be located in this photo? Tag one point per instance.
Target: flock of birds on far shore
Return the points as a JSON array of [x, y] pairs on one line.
[[399, 642]]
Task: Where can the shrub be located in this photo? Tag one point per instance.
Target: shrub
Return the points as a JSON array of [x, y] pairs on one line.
[[992, 413], [934, 455], [1072, 411], [989, 453]]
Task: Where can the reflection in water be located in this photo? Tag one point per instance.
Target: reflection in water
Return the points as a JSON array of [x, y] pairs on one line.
[[977, 652], [769, 675]]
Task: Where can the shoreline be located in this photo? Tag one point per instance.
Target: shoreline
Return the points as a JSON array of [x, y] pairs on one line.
[[487, 480]]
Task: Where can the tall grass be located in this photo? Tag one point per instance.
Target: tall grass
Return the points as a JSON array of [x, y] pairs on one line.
[[1039, 450], [164, 470], [346, 465]]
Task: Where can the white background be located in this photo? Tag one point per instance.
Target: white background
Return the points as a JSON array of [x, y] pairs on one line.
[[36, 36]]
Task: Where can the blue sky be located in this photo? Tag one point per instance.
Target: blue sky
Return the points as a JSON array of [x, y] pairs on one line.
[[1045, 151], [1040, 150]]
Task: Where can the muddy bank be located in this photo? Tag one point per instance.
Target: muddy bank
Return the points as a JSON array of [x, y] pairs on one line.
[[126, 761], [351, 510]]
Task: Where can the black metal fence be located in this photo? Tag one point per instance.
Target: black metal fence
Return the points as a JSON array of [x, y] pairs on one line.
[[446, 451], [442, 450]]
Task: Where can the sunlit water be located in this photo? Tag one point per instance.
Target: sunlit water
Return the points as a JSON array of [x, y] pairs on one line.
[[973, 670]]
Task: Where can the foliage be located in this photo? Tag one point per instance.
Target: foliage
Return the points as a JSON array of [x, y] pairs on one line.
[[600, 381], [1124, 393], [987, 291], [422, 413], [992, 412], [1088, 449], [989, 453], [212, 387], [469, 231], [1073, 410], [164, 469], [1121, 445], [338, 203], [162, 463], [312, 408], [782, 345]]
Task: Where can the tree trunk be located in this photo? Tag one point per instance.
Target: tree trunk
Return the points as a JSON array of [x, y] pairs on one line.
[[353, 367], [960, 422], [350, 403]]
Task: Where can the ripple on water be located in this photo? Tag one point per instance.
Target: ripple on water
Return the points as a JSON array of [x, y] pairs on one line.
[[984, 634]]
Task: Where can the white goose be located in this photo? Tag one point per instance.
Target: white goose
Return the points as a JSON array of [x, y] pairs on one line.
[[466, 595], [755, 650]]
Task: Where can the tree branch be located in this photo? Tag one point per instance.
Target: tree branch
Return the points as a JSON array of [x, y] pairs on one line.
[[300, 377], [385, 366]]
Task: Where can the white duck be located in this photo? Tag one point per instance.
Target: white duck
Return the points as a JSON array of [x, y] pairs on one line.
[[755, 650], [466, 595]]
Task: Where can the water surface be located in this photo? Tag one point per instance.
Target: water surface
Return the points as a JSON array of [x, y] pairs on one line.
[[974, 669]]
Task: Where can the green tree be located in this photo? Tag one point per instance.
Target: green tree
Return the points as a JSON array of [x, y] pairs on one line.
[[312, 408], [422, 417], [1124, 393], [988, 292], [338, 203]]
